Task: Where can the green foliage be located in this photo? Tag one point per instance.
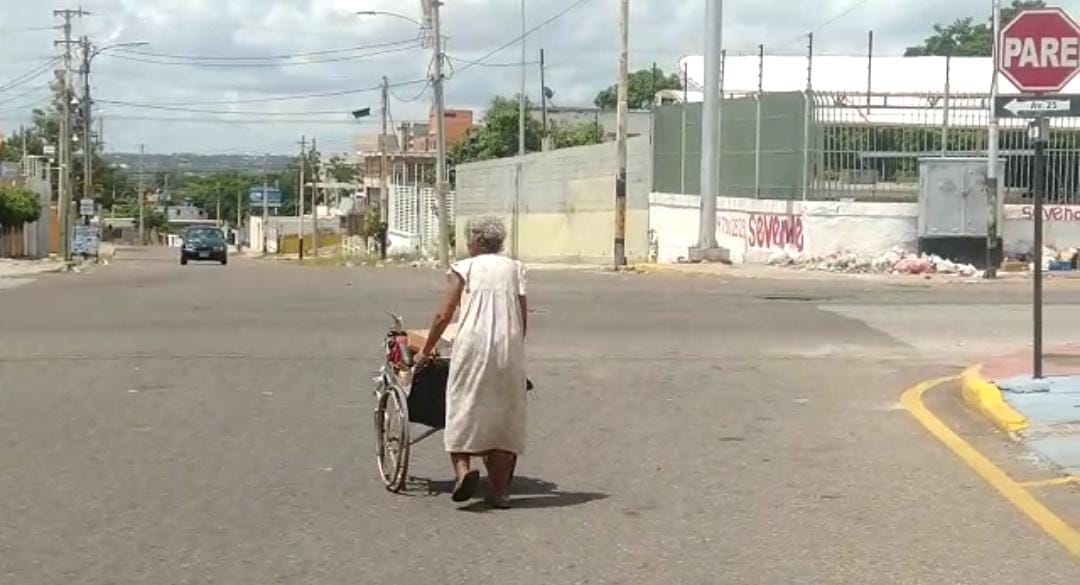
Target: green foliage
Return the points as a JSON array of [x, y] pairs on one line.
[[17, 206], [569, 135], [641, 91], [497, 137], [964, 38], [205, 192], [155, 220]]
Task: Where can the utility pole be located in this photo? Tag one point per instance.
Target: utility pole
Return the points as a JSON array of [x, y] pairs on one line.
[[316, 173], [384, 182], [265, 203], [710, 128], [992, 157], [64, 148], [300, 197], [543, 106], [440, 138], [142, 197], [620, 147], [521, 97], [88, 151]]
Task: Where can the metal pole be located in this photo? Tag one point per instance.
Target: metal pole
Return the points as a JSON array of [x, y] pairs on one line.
[[440, 140], [945, 108], [1041, 130], [807, 113], [757, 121], [710, 124], [992, 158], [265, 203], [682, 143], [869, 70], [543, 106], [300, 197], [620, 147], [521, 97], [239, 220], [142, 197]]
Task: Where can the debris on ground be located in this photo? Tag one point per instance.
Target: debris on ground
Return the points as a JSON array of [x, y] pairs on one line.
[[894, 261]]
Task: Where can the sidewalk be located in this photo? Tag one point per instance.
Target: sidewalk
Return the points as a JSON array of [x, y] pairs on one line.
[[1045, 414], [10, 268]]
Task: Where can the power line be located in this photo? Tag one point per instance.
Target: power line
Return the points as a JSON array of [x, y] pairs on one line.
[[209, 111], [126, 56], [287, 97], [481, 64], [29, 76], [36, 88], [528, 33], [242, 122], [274, 57], [11, 31], [423, 92]]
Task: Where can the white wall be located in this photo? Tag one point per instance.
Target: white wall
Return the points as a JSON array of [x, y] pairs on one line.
[[752, 229]]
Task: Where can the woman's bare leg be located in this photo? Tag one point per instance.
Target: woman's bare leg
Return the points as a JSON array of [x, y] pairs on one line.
[[461, 463], [500, 465]]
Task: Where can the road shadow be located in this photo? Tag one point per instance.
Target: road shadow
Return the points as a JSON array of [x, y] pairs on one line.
[[526, 493]]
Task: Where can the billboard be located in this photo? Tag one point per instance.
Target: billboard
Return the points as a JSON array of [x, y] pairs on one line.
[[273, 197]]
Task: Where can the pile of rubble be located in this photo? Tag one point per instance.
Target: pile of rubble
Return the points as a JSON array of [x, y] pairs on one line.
[[894, 261]]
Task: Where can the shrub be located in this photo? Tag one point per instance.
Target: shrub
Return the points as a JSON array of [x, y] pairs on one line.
[[17, 206]]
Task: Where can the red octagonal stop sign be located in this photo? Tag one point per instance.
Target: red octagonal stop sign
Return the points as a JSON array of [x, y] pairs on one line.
[[1040, 50]]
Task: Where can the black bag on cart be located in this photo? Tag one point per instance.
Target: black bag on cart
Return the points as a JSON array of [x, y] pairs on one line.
[[427, 399]]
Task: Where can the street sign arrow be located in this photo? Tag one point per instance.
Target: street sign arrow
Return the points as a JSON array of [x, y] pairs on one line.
[[1036, 107]]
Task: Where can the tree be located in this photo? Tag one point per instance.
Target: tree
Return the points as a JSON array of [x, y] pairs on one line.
[[642, 90], [17, 206], [964, 38], [497, 136], [206, 191]]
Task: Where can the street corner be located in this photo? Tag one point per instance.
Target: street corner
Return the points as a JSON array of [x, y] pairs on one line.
[[1044, 509], [1043, 413]]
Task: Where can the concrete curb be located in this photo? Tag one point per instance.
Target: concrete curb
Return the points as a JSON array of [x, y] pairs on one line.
[[982, 395]]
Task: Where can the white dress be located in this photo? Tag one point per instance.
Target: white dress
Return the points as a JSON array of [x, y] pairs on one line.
[[485, 395]]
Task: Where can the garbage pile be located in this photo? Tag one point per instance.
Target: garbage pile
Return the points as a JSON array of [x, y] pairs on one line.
[[894, 261]]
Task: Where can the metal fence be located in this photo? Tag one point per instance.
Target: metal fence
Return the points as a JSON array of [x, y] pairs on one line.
[[866, 147]]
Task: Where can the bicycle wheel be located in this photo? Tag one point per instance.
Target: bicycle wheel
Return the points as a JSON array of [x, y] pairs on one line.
[[392, 438]]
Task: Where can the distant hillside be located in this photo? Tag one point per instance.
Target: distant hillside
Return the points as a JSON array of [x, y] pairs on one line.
[[198, 164]]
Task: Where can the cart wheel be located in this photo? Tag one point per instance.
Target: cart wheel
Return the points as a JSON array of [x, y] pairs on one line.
[[392, 438]]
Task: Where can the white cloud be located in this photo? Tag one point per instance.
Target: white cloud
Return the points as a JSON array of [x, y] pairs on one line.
[[581, 53]]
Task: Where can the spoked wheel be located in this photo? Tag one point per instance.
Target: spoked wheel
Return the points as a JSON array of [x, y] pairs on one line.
[[392, 438]]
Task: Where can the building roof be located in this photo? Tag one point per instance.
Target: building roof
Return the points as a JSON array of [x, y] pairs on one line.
[[905, 75]]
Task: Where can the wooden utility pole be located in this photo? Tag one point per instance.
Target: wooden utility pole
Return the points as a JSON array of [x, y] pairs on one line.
[[384, 183], [316, 173], [142, 196], [265, 203], [440, 138], [620, 148], [64, 148]]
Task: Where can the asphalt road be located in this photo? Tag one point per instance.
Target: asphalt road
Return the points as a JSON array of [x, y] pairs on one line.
[[211, 424]]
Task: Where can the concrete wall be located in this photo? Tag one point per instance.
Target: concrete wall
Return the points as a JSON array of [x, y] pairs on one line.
[[753, 229], [566, 209]]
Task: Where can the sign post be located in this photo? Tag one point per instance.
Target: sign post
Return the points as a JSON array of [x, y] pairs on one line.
[[1039, 52]]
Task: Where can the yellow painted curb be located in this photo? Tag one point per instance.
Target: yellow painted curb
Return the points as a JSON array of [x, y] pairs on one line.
[[1032, 507], [986, 398]]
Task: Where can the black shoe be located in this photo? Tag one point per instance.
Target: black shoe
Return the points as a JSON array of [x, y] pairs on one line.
[[465, 486]]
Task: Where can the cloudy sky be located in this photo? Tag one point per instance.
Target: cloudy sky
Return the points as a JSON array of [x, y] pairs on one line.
[[206, 57]]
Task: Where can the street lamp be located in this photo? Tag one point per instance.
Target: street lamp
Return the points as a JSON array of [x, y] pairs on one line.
[[89, 52], [424, 27]]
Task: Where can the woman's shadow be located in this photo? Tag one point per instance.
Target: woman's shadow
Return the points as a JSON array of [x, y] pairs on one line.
[[526, 493]]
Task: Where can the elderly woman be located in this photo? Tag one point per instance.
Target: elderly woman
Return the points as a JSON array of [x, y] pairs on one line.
[[485, 396]]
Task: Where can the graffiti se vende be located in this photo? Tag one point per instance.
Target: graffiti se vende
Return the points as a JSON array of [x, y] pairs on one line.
[[764, 230], [1052, 213]]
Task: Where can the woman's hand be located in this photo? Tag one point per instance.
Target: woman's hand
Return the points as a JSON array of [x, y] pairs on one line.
[[421, 361]]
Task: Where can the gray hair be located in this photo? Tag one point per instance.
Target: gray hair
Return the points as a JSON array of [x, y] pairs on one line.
[[487, 233]]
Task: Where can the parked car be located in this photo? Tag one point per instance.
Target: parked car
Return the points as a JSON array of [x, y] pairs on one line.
[[204, 244]]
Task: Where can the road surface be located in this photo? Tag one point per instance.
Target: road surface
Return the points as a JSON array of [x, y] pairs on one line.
[[211, 424]]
